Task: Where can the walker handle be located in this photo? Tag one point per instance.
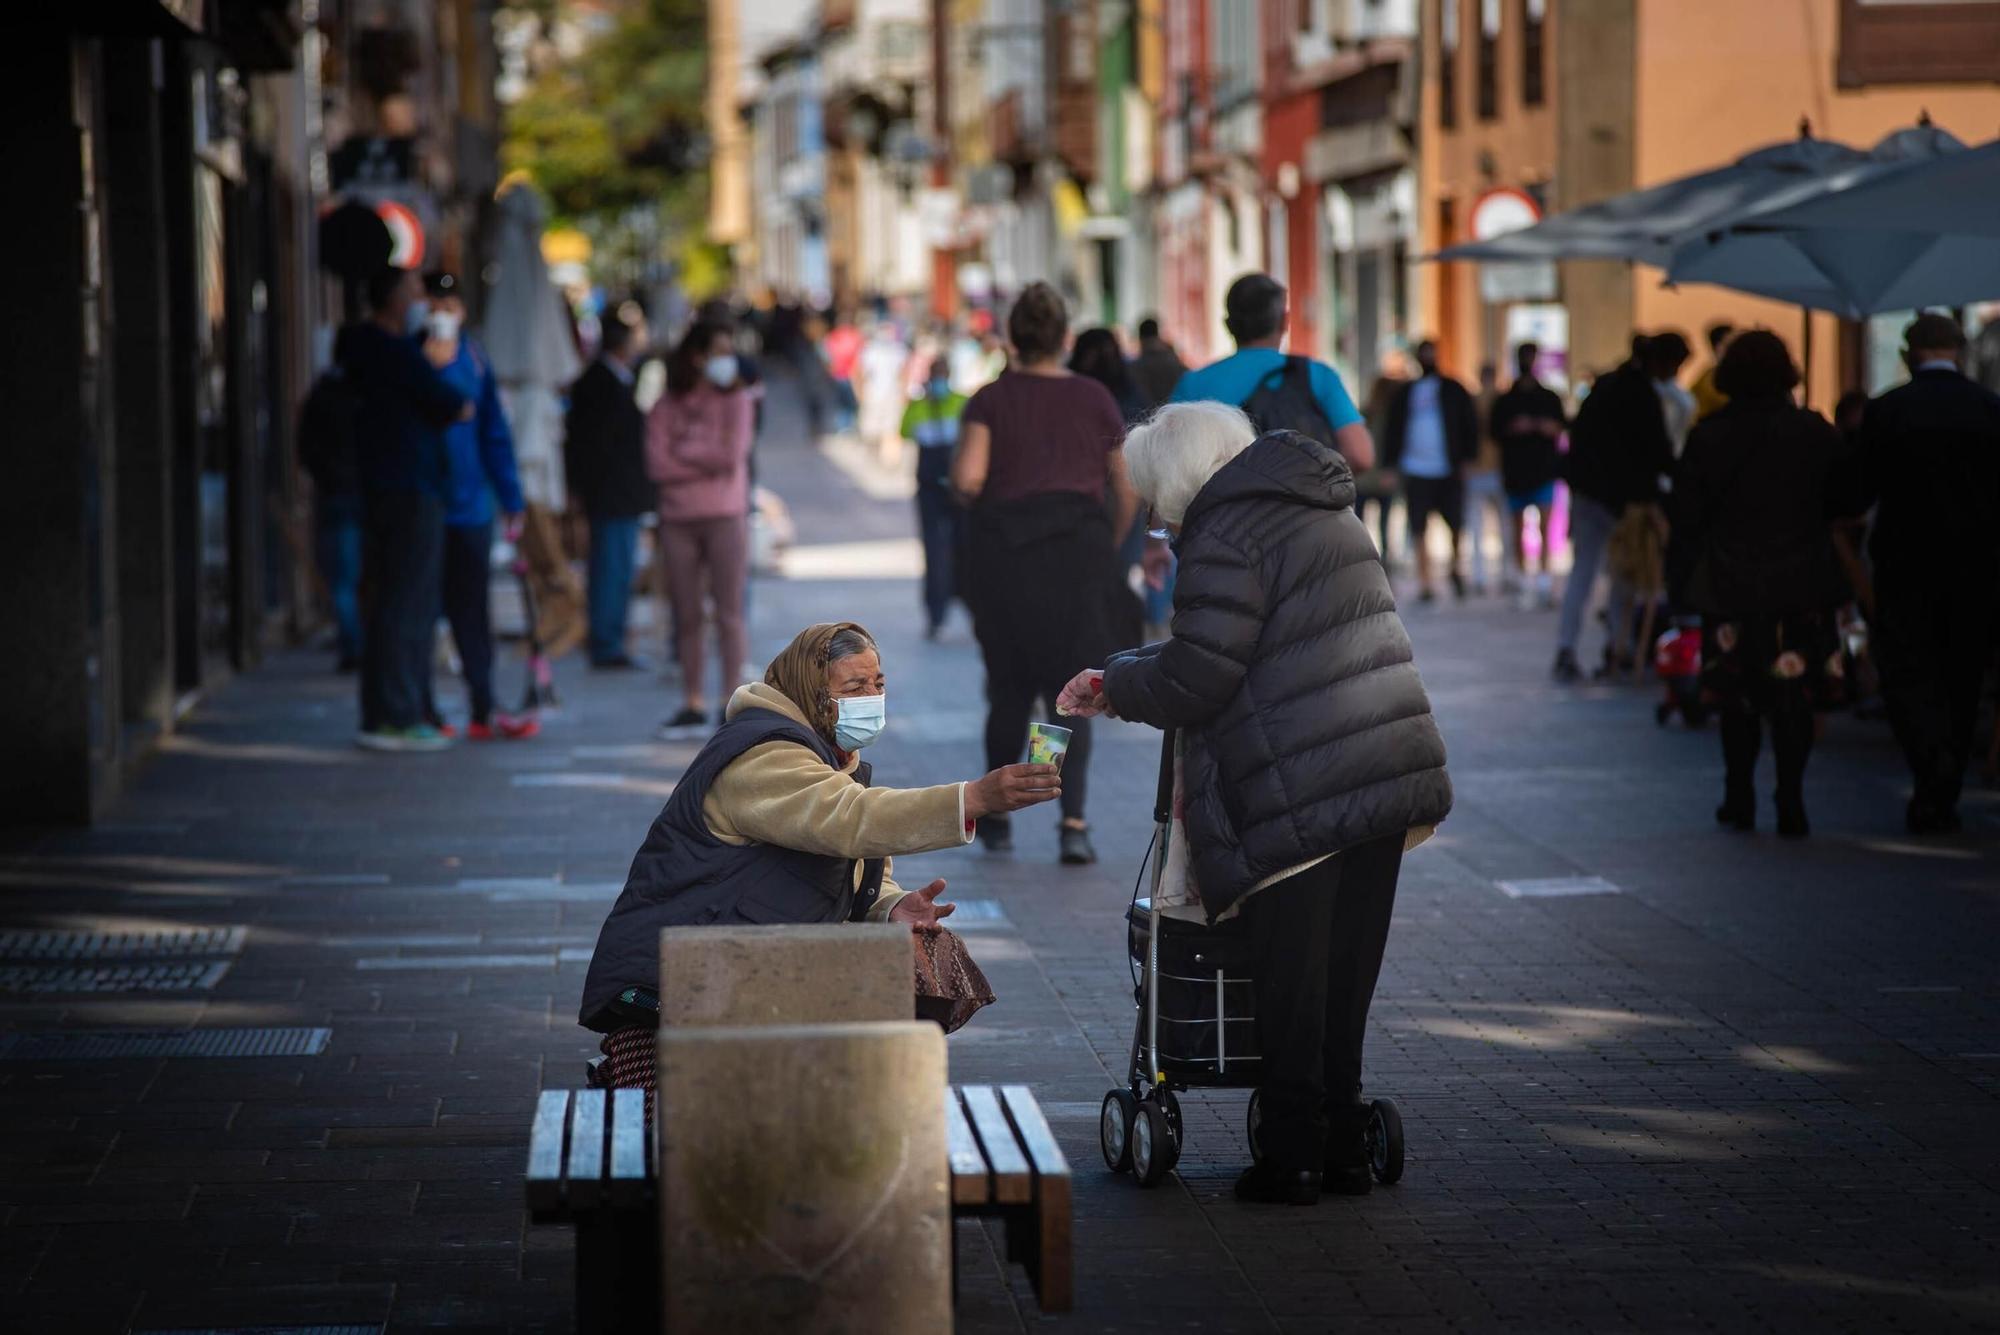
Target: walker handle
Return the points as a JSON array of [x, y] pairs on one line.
[[1163, 803]]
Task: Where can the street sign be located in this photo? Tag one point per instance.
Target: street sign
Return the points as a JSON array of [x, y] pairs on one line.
[[1496, 213]]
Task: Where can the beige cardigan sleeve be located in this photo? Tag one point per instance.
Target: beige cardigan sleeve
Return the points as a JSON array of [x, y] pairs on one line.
[[780, 793]]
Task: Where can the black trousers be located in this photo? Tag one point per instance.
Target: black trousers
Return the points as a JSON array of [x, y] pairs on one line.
[[404, 534], [1318, 937], [937, 521], [1010, 707], [468, 556], [1933, 640]]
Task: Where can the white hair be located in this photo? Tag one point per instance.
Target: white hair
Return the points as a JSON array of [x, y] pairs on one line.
[[1172, 454]]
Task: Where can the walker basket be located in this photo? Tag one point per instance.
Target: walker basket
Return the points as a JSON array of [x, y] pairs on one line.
[[1207, 1012]]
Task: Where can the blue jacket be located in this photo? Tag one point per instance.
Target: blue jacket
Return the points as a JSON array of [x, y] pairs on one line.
[[481, 451], [402, 407]]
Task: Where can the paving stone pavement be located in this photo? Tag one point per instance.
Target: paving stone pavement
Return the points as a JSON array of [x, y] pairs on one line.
[[1752, 1087]]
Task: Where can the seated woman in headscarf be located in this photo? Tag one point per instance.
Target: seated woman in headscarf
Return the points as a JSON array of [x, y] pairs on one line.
[[775, 822]]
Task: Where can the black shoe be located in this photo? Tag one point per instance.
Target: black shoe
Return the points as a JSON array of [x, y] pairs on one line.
[[1458, 586], [1347, 1171], [684, 726], [1076, 849], [1268, 1184], [1566, 670], [1923, 818], [1792, 818], [348, 664], [1427, 595], [1737, 812], [996, 833], [621, 663]]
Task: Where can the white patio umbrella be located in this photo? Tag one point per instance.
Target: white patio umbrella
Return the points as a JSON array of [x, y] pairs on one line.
[[527, 335], [1645, 225], [1872, 244]]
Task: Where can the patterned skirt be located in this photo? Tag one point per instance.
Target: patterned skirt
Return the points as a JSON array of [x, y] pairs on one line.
[[1750, 662]]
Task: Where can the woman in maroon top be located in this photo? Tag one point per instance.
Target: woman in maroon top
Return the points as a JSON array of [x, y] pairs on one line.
[[1041, 470]]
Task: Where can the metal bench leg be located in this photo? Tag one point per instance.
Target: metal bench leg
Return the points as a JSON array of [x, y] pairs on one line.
[[617, 1272]]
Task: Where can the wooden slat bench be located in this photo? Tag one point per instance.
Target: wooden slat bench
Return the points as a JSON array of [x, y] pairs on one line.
[[590, 1163], [1005, 1162]]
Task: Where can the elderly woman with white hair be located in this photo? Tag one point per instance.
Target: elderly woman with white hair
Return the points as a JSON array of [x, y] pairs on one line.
[[1308, 757]]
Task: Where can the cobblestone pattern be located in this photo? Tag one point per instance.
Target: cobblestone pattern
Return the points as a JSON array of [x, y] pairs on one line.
[[1752, 1090]]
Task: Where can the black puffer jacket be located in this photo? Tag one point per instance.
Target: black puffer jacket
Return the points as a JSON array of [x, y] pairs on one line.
[[1305, 727]]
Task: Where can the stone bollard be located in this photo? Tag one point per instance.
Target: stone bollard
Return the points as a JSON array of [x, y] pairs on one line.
[[820, 973], [803, 1180]]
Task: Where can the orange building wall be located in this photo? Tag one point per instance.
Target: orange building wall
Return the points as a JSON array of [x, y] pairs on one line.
[[1520, 148], [1717, 78]]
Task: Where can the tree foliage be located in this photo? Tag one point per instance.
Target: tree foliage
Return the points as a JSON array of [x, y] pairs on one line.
[[617, 125]]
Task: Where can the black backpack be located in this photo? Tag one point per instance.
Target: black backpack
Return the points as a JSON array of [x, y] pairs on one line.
[[1284, 401], [327, 436]]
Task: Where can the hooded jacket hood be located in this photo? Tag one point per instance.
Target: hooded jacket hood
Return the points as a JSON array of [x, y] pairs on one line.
[[1281, 466], [763, 695]]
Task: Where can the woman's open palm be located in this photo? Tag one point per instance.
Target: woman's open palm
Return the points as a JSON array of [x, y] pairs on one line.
[[920, 908]]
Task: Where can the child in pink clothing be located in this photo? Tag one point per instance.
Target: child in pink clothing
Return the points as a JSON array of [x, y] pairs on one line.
[[698, 453]]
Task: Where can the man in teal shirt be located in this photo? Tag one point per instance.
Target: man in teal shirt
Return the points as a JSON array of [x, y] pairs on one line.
[[1255, 314], [1254, 310]]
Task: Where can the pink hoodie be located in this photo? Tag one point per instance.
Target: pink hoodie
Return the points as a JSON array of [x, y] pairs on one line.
[[698, 452]]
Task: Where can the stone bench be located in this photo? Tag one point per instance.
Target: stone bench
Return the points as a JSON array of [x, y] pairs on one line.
[[591, 1164], [594, 1163]]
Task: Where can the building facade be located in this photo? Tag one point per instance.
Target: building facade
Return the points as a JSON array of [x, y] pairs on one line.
[[788, 176], [1565, 102]]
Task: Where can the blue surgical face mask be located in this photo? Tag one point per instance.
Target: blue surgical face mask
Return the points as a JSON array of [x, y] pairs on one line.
[[862, 718], [419, 315], [940, 388]]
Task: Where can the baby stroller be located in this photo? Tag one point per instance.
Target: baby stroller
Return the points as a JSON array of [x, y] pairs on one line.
[[1196, 1027]]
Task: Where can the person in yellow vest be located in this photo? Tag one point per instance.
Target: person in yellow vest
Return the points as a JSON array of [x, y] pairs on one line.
[[1707, 398]]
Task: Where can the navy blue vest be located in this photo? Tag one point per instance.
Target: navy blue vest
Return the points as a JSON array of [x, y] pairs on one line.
[[683, 876]]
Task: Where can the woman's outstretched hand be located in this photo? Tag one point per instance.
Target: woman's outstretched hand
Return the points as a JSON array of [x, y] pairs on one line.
[[1010, 788], [920, 908], [1084, 697]]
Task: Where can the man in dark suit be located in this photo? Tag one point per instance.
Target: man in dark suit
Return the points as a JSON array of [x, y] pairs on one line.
[[1930, 459], [1430, 440], [605, 454]]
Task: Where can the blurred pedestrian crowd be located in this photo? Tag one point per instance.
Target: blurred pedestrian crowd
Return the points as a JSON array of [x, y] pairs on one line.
[[1766, 565]]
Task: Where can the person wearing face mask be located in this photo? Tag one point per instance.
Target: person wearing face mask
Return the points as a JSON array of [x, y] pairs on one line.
[[932, 422], [481, 455], [698, 439], [403, 406], [775, 821]]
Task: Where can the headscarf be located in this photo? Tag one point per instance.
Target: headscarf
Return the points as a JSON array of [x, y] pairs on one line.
[[799, 671]]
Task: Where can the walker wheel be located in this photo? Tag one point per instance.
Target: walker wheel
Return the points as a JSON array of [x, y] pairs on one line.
[[1253, 1126], [1385, 1141], [1170, 1108], [1152, 1144], [1114, 1129]]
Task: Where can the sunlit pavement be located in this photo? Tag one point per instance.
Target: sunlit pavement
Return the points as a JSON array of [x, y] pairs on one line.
[[1739, 1084]]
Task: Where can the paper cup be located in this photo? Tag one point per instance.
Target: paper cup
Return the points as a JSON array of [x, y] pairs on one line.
[[1047, 744]]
